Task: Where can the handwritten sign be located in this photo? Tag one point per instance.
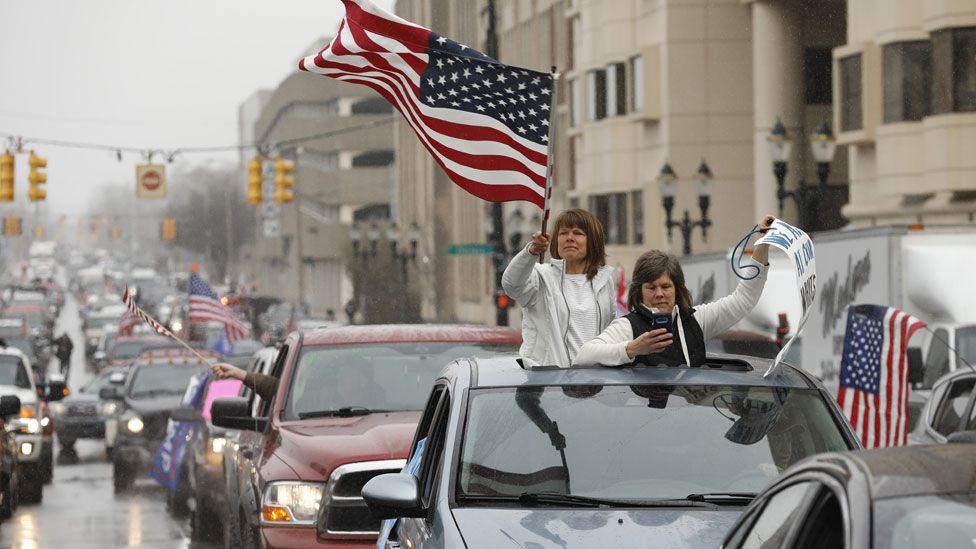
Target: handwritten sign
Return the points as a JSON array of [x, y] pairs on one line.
[[797, 245]]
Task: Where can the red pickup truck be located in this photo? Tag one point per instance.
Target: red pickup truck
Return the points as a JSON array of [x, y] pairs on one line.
[[346, 409]]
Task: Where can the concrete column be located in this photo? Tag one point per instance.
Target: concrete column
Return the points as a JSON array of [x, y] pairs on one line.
[[777, 64]]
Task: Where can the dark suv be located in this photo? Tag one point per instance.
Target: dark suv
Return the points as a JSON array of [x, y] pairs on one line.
[[150, 392], [588, 457]]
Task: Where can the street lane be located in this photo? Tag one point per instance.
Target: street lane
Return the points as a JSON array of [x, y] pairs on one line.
[[79, 509]]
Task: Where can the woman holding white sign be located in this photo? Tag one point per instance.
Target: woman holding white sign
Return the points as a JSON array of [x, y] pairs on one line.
[[662, 326]]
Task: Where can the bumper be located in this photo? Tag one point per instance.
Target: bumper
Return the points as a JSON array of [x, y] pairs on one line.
[[33, 443], [79, 427], [284, 536]]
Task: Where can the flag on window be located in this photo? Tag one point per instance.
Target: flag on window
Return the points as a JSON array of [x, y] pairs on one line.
[[165, 466], [206, 307], [486, 124], [874, 373]]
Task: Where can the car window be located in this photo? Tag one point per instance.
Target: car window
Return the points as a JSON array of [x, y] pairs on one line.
[[153, 381], [932, 405], [953, 406], [434, 449], [13, 372], [264, 408], [823, 527], [937, 361], [771, 527], [667, 441], [380, 376], [925, 521]]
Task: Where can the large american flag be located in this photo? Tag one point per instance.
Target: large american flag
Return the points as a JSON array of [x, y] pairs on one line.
[[486, 124], [874, 373], [205, 307]]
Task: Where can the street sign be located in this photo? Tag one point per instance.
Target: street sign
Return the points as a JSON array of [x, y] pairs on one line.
[[271, 210], [272, 228], [470, 249], [151, 181]]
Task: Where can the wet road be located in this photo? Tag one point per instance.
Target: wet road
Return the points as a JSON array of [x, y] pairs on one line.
[[79, 509]]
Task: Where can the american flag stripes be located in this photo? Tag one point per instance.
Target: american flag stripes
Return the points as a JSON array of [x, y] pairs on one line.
[[128, 323], [139, 313], [486, 124], [205, 307], [874, 373]]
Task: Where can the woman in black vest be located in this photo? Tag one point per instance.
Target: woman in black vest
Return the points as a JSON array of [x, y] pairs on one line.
[[658, 286]]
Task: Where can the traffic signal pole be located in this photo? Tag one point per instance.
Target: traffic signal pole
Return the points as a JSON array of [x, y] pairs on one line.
[[497, 231]]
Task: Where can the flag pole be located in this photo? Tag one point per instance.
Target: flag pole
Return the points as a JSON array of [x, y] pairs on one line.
[[549, 159]]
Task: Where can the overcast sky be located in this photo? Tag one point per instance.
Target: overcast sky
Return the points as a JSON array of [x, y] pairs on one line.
[[141, 74]]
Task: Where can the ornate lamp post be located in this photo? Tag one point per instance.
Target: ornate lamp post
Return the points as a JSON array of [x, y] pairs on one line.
[[823, 146], [667, 182], [780, 145]]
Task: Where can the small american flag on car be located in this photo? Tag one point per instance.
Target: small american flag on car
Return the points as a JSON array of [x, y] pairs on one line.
[[486, 124]]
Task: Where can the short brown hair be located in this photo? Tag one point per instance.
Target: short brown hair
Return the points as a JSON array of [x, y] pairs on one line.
[[596, 253], [649, 267]]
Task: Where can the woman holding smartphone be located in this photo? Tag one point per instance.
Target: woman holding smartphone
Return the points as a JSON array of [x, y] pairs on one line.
[[662, 326]]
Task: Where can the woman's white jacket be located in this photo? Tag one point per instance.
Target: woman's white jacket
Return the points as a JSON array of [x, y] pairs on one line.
[[610, 347], [545, 313]]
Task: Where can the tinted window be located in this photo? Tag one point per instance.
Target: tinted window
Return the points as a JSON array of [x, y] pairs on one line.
[[925, 521], [666, 441], [851, 93], [13, 372], [937, 361], [779, 513], [907, 80], [395, 376], [953, 406], [156, 381]]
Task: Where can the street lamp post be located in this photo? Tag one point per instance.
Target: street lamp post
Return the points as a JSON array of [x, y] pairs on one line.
[[393, 234], [823, 145], [667, 182]]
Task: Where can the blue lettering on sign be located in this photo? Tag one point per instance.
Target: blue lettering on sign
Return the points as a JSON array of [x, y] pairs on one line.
[[803, 256], [778, 239]]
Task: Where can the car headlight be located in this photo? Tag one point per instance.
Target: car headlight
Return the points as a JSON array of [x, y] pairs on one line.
[[217, 445], [108, 408], [58, 408], [291, 502], [134, 425]]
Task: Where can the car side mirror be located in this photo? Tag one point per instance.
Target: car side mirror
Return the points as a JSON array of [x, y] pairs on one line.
[[916, 368], [185, 413], [393, 495], [235, 413], [56, 390], [110, 393], [9, 406]]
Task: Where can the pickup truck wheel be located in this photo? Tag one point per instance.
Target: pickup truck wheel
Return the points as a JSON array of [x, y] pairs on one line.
[[177, 500], [121, 480], [8, 498], [249, 536], [31, 484], [204, 525]]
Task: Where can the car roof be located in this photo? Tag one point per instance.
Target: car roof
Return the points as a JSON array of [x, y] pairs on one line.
[[908, 470], [403, 333], [720, 369]]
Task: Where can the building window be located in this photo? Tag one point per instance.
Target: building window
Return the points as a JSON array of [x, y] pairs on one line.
[[954, 70], [574, 103], [637, 83], [611, 210], [372, 105], [596, 96], [851, 94], [616, 89], [907, 80], [817, 66], [637, 215], [373, 159]]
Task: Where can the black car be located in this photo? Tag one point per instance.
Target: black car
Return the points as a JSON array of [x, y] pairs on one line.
[[82, 414], [150, 392], [906, 497]]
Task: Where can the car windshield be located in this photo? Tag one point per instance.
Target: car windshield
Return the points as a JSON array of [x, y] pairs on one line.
[[95, 385], [666, 442], [386, 376], [13, 372], [152, 381], [947, 520]]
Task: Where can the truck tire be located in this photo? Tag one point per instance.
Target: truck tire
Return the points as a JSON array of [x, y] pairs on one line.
[[47, 458], [204, 526], [250, 537], [8, 501], [177, 500], [31, 484], [121, 479]]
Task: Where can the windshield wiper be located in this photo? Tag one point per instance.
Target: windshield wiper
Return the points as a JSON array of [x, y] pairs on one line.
[[345, 411], [726, 498], [572, 500]]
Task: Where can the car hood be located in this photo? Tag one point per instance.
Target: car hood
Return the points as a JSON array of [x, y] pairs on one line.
[[314, 447], [673, 528], [80, 398], [26, 396]]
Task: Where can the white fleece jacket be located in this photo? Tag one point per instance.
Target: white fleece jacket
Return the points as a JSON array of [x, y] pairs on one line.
[[545, 314], [610, 347]]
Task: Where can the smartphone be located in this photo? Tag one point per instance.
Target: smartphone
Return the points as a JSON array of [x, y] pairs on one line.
[[661, 320]]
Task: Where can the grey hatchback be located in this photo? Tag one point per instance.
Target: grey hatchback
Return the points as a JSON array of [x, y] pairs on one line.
[[600, 457]]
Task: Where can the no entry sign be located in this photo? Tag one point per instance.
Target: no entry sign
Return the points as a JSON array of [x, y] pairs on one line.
[[151, 181]]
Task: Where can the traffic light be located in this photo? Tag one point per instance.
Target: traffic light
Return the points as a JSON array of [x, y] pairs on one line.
[[169, 228], [255, 181], [283, 181], [502, 301], [7, 177], [11, 225], [39, 232], [37, 178]]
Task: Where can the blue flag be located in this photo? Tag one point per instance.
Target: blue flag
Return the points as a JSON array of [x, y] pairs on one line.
[[412, 467], [166, 463]]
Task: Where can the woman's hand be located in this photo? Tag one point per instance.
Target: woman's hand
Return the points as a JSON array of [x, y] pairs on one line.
[[653, 341], [539, 244], [227, 371], [761, 252]]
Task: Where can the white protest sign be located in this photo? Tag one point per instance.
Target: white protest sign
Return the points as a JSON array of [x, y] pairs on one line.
[[797, 245]]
